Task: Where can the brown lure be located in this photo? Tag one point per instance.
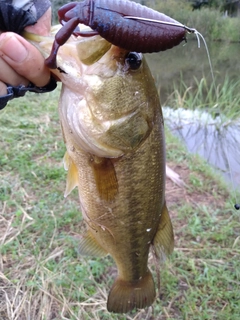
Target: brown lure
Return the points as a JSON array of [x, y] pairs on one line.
[[124, 23]]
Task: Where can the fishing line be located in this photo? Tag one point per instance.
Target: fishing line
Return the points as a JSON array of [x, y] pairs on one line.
[[189, 30], [198, 34]]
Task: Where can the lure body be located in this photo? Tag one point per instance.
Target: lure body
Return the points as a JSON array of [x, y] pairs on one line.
[[107, 18], [123, 23]]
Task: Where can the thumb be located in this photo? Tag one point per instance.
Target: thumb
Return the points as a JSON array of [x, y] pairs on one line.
[[24, 58]]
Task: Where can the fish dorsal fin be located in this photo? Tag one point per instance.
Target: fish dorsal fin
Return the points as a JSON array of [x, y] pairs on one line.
[[72, 175], [164, 239], [105, 178], [88, 246]]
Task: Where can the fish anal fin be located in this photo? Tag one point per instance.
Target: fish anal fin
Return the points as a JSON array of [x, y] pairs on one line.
[[105, 178], [88, 246], [164, 239], [72, 175], [125, 296]]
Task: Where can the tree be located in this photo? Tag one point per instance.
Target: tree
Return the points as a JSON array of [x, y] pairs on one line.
[[221, 5]]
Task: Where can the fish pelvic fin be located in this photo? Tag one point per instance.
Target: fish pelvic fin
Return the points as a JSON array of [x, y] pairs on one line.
[[125, 296], [88, 246], [105, 177], [163, 241], [72, 175]]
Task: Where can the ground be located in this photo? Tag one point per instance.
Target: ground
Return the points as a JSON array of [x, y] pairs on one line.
[[42, 277]]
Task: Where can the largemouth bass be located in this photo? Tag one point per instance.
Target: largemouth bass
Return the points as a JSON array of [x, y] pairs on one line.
[[113, 129]]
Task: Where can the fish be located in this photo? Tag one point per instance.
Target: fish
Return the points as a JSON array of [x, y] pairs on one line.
[[113, 129]]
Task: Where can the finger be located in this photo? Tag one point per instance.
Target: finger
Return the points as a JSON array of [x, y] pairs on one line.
[[24, 58], [3, 89], [9, 76]]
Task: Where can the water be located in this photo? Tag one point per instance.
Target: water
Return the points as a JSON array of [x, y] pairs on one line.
[[187, 62], [216, 140], [213, 139]]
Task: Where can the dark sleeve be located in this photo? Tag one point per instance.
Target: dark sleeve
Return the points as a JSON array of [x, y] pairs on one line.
[[15, 15], [41, 7]]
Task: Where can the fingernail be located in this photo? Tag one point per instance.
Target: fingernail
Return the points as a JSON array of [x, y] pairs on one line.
[[14, 49]]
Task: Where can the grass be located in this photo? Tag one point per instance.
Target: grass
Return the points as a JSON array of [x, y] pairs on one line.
[[42, 277], [223, 99]]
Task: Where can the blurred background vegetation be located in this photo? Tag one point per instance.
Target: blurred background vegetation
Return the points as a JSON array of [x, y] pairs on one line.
[[222, 5]]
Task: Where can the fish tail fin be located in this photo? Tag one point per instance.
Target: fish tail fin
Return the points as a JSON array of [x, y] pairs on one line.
[[124, 295]]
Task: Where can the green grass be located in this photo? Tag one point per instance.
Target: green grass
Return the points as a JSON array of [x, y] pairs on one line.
[[42, 275], [223, 99]]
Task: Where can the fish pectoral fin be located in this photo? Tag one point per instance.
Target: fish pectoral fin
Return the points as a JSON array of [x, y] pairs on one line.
[[72, 175], [164, 239], [88, 246], [105, 177], [66, 161], [125, 296]]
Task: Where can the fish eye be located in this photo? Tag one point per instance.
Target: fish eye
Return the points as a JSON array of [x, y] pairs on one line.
[[134, 60]]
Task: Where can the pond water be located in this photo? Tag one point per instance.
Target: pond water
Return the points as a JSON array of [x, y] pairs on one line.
[[217, 141], [213, 139]]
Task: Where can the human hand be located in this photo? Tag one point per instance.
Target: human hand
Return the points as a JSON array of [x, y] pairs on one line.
[[21, 62]]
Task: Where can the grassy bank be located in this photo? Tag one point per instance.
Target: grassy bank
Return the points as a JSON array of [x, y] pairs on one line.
[[222, 99], [41, 274]]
